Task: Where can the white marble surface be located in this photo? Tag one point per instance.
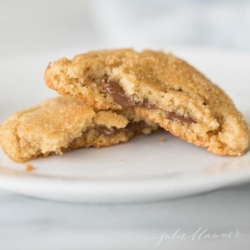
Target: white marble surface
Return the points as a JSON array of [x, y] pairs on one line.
[[27, 223], [31, 27]]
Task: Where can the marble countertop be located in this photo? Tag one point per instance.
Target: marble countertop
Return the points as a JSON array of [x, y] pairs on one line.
[[215, 220]]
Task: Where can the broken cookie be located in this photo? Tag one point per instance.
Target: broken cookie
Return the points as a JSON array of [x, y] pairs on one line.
[[64, 123], [159, 87]]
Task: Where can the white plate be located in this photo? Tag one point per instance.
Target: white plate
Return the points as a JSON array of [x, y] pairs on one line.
[[144, 169]]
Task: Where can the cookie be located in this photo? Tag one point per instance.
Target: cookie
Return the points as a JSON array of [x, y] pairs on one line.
[[159, 87], [61, 124]]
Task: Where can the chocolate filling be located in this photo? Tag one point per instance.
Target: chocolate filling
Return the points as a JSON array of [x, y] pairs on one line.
[[137, 126], [105, 130], [178, 118], [117, 93], [131, 126], [119, 96]]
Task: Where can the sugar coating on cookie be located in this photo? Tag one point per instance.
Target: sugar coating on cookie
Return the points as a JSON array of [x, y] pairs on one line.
[[159, 87], [62, 124]]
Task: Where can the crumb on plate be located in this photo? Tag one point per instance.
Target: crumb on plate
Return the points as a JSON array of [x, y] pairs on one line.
[[161, 139], [29, 167]]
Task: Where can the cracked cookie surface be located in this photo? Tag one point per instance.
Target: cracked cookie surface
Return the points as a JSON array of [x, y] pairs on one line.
[[159, 87], [61, 124]]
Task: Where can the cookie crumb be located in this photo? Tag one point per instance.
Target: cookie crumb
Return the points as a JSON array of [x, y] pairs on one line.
[[29, 167], [161, 139], [120, 160]]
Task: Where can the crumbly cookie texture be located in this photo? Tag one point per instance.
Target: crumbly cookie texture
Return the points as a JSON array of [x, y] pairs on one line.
[[159, 87], [62, 124]]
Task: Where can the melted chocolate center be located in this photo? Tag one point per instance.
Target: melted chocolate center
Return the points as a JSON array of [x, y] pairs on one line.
[[117, 92], [131, 126], [178, 118], [119, 96]]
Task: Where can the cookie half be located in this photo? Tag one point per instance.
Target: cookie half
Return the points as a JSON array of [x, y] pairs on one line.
[[62, 124], [159, 87]]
